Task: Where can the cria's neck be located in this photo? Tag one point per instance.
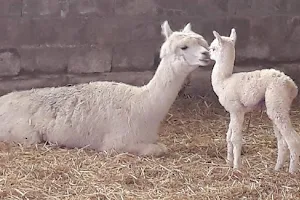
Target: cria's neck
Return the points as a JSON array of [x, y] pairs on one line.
[[222, 70]]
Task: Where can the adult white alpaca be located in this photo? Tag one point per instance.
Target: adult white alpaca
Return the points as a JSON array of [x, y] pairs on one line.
[[240, 93], [106, 115]]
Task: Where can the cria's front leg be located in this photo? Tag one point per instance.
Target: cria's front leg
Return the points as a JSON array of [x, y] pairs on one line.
[[151, 149], [235, 138], [229, 148]]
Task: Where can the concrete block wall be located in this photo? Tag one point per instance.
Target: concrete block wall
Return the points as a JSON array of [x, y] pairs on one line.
[[62, 42]]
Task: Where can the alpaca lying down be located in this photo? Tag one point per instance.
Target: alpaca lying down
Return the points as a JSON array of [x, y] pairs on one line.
[[240, 93], [106, 115]]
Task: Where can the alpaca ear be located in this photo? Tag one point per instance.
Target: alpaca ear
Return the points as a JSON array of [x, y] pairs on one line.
[[187, 28], [233, 35], [217, 35], [166, 30]]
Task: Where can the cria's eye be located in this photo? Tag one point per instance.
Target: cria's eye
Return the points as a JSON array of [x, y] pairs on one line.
[[184, 47]]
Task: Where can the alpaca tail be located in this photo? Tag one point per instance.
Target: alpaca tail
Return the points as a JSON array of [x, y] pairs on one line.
[[293, 88]]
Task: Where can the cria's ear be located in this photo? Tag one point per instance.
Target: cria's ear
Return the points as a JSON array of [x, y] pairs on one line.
[[217, 35], [166, 30], [187, 28], [233, 35]]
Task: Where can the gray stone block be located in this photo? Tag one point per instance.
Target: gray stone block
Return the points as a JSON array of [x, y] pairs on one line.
[[29, 82], [134, 8], [198, 83], [11, 8], [120, 30], [91, 7], [90, 60], [45, 60], [9, 62], [257, 8], [42, 7], [132, 78], [293, 7], [180, 8], [138, 56]]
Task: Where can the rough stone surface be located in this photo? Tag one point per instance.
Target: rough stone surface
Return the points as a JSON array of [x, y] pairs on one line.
[[257, 7], [28, 82], [198, 83], [61, 36], [42, 7], [170, 8], [45, 60], [90, 60], [29, 31], [9, 32], [134, 7], [63, 31], [91, 7], [133, 78], [9, 62], [118, 30], [11, 8], [134, 56], [293, 6]]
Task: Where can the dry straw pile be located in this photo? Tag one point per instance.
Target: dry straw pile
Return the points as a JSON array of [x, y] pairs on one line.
[[194, 168]]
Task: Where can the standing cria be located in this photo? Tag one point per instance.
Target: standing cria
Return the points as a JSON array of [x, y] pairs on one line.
[[240, 93], [106, 115]]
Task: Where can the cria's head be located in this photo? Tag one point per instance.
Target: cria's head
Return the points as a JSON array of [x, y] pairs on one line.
[[187, 46], [222, 43]]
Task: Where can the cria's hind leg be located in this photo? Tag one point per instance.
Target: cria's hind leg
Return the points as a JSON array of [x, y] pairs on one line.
[[282, 149], [148, 149], [291, 138], [278, 107]]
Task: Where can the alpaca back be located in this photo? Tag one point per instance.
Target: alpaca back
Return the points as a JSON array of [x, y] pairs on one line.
[[250, 87], [75, 116]]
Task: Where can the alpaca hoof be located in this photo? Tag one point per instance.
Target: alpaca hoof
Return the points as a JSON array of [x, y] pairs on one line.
[[229, 163], [277, 168], [293, 171], [163, 149], [153, 150], [237, 173]]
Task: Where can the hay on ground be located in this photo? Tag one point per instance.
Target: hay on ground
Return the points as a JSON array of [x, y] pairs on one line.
[[194, 168]]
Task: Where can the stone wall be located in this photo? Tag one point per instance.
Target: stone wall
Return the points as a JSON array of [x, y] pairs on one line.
[[61, 42]]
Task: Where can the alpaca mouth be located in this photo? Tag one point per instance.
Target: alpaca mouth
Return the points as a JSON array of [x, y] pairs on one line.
[[207, 62]]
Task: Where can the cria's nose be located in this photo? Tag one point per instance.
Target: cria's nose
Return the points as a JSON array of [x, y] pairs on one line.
[[206, 53]]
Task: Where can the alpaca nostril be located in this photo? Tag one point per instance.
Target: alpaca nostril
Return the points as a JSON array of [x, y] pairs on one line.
[[206, 53]]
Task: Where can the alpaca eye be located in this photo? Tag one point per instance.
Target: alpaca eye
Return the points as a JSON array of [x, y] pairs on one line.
[[184, 47]]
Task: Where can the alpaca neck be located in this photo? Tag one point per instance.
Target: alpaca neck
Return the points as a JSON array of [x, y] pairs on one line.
[[222, 69], [167, 81]]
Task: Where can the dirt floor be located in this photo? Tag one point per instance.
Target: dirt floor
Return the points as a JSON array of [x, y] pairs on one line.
[[194, 168]]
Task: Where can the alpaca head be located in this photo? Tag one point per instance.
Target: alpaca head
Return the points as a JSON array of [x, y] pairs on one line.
[[221, 44], [188, 47]]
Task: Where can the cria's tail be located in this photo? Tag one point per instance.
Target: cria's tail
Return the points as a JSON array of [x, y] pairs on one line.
[[293, 88]]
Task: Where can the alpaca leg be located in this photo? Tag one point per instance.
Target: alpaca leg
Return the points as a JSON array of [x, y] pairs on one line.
[[236, 126], [293, 142], [148, 149], [282, 149], [278, 107], [23, 133], [229, 147]]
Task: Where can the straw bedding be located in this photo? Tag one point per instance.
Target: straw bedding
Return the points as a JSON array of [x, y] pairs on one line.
[[194, 168]]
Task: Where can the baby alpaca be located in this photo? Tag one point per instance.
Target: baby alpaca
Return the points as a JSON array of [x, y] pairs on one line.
[[240, 93], [106, 115]]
